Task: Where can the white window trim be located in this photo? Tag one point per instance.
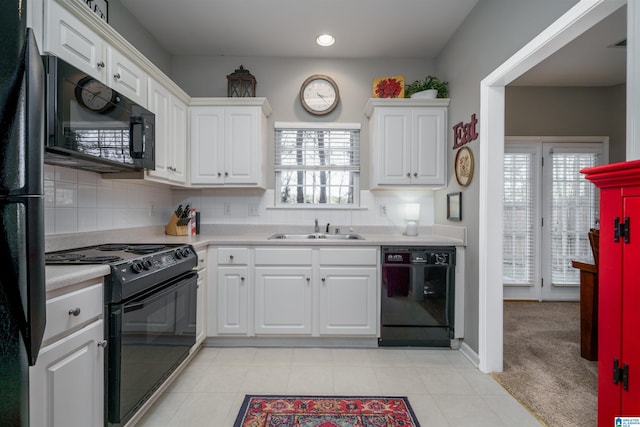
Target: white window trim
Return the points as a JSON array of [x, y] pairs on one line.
[[320, 125]]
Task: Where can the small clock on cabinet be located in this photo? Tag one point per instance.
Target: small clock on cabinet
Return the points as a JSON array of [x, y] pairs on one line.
[[319, 95]]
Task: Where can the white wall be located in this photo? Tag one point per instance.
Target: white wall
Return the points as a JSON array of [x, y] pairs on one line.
[[493, 32]]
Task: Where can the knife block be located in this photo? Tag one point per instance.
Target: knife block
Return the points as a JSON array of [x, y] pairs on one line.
[[172, 228]]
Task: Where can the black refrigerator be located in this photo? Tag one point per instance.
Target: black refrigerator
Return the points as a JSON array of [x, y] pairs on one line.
[[22, 271]]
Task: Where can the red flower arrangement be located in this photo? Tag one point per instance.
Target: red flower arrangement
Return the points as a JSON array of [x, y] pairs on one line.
[[388, 88]]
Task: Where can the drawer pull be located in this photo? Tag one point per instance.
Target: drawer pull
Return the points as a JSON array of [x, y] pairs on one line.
[[230, 257], [75, 312], [116, 76], [100, 64], [102, 344]]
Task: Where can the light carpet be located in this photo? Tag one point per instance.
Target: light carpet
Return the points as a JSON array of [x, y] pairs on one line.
[[542, 364]]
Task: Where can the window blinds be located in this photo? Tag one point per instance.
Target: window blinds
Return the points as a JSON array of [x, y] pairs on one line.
[[574, 207], [519, 243]]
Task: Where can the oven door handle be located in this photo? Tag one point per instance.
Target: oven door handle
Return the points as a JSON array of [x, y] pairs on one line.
[[133, 307], [138, 305]]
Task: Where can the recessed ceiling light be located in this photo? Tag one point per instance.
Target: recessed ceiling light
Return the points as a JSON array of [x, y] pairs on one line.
[[325, 40]]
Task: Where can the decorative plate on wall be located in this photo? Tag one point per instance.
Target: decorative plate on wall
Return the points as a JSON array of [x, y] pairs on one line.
[[463, 166]]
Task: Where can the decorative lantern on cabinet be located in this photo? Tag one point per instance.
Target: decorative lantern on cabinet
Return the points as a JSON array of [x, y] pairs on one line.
[[241, 83]]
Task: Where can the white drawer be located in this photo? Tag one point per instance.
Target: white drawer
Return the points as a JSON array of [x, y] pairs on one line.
[[67, 311], [202, 259], [283, 256], [233, 256], [348, 256]]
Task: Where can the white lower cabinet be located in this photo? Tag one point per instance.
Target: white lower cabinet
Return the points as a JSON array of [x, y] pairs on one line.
[[283, 300], [348, 301], [233, 300], [295, 291], [66, 384]]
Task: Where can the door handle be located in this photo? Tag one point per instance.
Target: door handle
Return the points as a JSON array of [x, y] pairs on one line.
[[136, 136]]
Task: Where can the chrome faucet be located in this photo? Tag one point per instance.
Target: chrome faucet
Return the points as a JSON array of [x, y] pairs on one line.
[[316, 228]]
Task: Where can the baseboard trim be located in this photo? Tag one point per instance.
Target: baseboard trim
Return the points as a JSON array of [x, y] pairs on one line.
[[470, 354]]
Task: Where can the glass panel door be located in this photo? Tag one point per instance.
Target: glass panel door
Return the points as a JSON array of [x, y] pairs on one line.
[[571, 209], [548, 210]]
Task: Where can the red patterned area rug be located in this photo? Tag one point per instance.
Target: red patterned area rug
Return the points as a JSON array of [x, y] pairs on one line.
[[325, 411]]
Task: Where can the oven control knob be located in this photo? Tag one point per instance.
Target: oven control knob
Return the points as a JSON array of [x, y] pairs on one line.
[[136, 267], [147, 264], [440, 258], [182, 253]]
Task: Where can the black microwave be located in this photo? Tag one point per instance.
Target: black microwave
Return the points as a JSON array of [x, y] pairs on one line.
[[92, 127]]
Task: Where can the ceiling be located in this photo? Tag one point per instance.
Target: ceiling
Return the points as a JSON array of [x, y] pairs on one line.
[[375, 29], [288, 28]]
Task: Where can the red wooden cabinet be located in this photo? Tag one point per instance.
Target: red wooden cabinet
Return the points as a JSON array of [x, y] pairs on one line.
[[619, 290]]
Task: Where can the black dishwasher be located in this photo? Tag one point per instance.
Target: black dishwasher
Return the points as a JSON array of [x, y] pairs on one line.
[[417, 303]]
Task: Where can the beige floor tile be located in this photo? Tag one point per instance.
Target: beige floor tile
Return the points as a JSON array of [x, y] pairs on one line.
[[400, 380], [444, 389], [266, 379], [355, 380], [311, 380], [273, 357], [312, 357], [203, 410], [468, 411], [221, 379], [444, 381]]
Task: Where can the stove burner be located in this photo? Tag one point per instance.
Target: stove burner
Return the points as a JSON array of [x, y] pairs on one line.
[[144, 249], [111, 247], [64, 257]]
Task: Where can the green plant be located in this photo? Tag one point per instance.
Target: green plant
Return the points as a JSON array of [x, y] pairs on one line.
[[430, 82]]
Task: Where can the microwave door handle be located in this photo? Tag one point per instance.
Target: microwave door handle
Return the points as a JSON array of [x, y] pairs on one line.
[[136, 122]]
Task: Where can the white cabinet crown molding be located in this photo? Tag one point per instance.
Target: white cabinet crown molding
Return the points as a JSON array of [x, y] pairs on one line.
[[403, 102], [233, 102], [114, 39]]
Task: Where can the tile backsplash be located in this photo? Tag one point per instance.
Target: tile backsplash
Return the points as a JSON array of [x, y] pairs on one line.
[[78, 201]]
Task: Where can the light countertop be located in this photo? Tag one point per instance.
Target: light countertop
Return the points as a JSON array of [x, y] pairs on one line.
[[61, 276]]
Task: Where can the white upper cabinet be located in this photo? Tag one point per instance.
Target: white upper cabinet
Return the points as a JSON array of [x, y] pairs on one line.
[[70, 39], [408, 142], [228, 141], [170, 135], [126, 77]]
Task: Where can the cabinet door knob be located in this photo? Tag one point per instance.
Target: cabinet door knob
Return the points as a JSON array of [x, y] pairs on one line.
[[242, 278], [415, 174], [324, 279], [226, 174], [102, 344], [230, 257], [219, 174], [74, 312], [408, 174], [100, 64], [116, 76], [308, 279]]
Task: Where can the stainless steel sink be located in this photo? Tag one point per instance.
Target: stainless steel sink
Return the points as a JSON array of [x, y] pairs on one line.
[[319, 236]]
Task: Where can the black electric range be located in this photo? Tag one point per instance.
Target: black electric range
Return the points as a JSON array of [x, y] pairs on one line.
[[134, 267]]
